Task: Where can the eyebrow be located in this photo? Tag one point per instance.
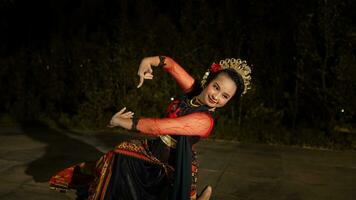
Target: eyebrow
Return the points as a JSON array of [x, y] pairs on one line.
[[217, 84]]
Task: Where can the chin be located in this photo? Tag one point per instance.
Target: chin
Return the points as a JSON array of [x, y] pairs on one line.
[[212, 105], [207, 102]]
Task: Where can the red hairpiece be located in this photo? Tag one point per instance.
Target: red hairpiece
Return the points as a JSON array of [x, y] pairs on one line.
[[215, 68]]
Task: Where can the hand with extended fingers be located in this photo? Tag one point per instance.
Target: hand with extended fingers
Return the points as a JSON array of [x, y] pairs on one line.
[[121, 118]]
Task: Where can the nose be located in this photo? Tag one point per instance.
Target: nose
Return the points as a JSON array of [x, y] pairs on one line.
[[215, 97]]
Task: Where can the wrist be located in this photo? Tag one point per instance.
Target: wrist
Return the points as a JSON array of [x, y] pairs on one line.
[[156, 61], [134, 123], [125, 123], [162, 61]]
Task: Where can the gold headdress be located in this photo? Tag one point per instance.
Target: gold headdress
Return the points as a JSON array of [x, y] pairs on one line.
[[237, 65]]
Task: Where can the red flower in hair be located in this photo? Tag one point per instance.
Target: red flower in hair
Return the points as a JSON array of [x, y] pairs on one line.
[[215, 68]]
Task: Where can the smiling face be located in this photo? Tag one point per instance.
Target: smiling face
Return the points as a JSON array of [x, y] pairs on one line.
[[218, 92]]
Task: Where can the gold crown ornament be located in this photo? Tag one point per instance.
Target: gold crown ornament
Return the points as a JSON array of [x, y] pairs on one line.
[[237, 65]]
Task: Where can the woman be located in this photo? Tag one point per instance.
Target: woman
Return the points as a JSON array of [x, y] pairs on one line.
[[165, 167]]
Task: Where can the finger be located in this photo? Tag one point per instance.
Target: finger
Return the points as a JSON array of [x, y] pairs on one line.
[[141, 81], [121, 111], [127, 114], [148, 76], [126, 117]]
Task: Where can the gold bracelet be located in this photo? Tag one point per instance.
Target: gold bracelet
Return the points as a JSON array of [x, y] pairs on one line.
[[169, 141]]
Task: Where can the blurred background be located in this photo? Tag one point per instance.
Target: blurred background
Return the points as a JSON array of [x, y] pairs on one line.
[[73, 63]]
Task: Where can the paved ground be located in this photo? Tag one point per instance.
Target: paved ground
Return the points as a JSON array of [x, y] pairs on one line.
[[28, 157]]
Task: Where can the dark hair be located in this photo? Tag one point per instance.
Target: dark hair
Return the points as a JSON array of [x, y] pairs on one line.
[[233, 75]]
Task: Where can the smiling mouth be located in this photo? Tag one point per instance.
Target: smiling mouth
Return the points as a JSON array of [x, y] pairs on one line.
[[211, 100]]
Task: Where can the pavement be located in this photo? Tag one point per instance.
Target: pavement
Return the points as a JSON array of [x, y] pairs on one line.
[[29, 156]]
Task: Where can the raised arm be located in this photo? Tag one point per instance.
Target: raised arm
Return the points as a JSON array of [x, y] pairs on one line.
[[184, 80], [195, 124]]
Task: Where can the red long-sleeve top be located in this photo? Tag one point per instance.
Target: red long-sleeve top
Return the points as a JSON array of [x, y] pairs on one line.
[[194, 124]]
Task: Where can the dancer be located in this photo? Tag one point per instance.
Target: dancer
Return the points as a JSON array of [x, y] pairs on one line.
[[164, 167]]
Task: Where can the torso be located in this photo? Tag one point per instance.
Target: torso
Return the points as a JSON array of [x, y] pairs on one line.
[[158, 147]]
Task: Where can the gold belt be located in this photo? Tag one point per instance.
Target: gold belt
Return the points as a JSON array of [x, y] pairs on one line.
[[169, 141]]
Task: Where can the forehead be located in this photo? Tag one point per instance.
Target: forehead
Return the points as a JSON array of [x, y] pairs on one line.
[[226, 84]]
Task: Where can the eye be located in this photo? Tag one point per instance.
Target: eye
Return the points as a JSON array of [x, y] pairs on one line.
[[225, 96], [216, 87]]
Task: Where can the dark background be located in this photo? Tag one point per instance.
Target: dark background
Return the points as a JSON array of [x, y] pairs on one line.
[[73, 63]]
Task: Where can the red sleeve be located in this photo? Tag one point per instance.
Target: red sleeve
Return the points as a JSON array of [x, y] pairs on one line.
[[184, 80], [195, 124]]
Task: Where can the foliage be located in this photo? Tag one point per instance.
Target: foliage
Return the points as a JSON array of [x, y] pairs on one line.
[[75, 63]]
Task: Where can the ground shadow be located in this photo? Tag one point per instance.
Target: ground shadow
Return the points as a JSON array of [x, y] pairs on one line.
[[61, 151]]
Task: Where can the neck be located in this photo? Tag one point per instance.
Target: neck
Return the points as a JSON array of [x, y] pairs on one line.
[[198, 101]]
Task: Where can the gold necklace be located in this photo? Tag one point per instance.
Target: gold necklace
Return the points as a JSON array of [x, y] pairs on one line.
[[194, 104], [197, 105]]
